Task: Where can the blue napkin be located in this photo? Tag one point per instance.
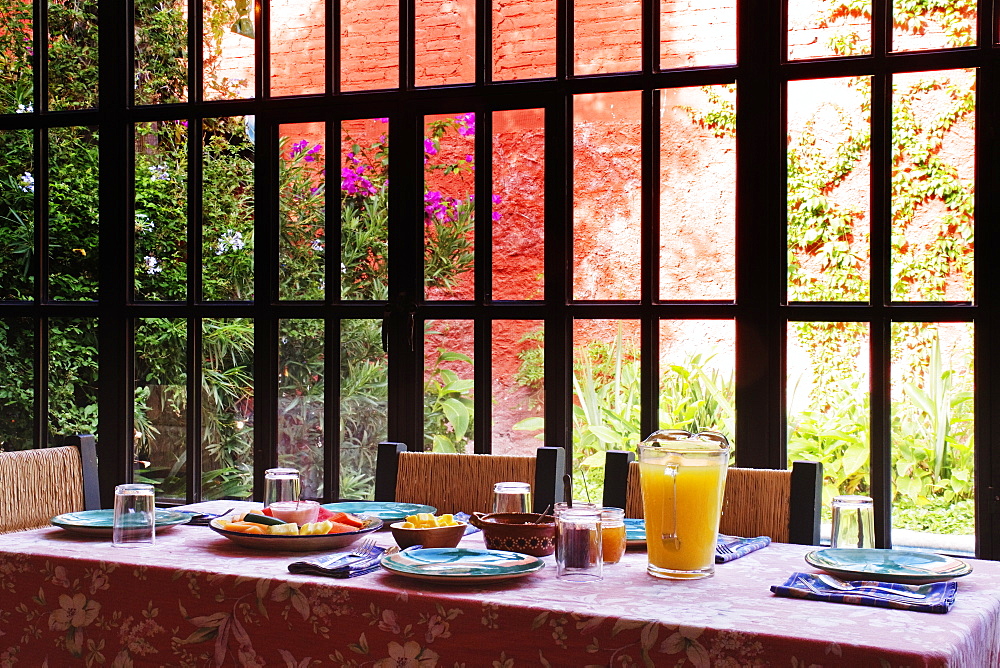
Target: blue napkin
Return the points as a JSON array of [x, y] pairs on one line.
[[464, 517], [935, 597], [338, 565], [739, 547]]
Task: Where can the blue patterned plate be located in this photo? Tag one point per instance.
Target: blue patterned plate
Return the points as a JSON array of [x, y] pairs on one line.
[[635, 532], [888, 565], [460, 565], [387, 511], [101, 522]]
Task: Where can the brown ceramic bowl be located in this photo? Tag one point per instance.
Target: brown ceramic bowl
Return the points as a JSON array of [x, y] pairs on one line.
[[428, 537], [525, 533]]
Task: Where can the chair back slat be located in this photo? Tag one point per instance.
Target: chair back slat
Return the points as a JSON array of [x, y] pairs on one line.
[[37, 485], [458, 482], [756, 502]]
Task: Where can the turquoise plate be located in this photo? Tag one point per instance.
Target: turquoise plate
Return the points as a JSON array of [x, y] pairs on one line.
[[460, 565], [888, 565], [635, 532], [100, 522], [387, 511]]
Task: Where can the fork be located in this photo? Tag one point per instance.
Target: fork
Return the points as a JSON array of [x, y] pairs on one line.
[[839, 584], [724, 548]]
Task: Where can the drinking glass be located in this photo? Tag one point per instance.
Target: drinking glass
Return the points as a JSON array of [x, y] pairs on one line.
[[613, 539], [853, 522], [682, 480], [512, 497], [578, 543], [281, 485], [134, 521]]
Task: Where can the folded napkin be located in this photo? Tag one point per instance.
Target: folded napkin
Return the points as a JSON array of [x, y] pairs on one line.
[[464, 517], [738, 547], [338, 565], [935, 597]]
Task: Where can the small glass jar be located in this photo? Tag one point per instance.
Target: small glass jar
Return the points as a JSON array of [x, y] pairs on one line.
[[613, 540], [578, 543]]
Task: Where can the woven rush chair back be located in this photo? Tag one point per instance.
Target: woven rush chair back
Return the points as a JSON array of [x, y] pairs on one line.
[[36, 485], [454, 482], [458, 483], [781, 504]]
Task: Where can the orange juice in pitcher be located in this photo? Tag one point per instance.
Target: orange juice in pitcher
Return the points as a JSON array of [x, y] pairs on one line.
[[682, 477]]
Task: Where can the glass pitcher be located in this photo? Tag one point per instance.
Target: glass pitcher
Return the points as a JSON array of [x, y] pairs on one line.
[[683, 477]]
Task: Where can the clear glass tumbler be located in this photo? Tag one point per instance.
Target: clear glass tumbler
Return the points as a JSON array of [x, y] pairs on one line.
[[512, 497], [578, 543], [853, 522], [134, 520], [281, 485]]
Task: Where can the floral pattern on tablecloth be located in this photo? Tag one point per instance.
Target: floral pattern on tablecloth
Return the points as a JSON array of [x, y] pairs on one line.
[[195, 601]]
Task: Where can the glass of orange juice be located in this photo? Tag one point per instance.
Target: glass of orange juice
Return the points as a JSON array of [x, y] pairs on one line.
[[682, 480]]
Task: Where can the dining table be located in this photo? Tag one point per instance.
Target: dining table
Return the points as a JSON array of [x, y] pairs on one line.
[[195, 598]]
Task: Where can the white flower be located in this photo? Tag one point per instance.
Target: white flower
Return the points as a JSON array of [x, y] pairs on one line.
[[158, 173], [24, 109], [316, 245], [143, 224], [152, 265], [230, 240], [27, 182]]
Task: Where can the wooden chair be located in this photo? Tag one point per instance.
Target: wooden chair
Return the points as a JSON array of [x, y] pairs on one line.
[[36, 485], [782, 504], [464, 483]]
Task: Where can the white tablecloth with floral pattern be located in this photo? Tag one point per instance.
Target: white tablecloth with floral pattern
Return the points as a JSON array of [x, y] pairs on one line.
[[196, 599]]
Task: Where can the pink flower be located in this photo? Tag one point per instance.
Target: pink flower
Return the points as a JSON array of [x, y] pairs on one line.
[[410, 655]]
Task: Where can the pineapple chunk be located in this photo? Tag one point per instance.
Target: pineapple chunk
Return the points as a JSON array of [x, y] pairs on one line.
[[316, 528], [288, 529]]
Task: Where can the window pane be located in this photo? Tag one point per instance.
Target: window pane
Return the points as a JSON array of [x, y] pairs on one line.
[[518, 204], [301, 401], [829, 174], [518, 386], [73, 213], [72, 377], [227, 408], [445, 42], [932, 436], [17, 64], [161, 210], [72, 54], [364, 406], [829, 28], [606, 195], [298, 51], [605, 398], [17, 397], [228, 46], [524, 39], [161, 405], [697, 376], [933, 172], [369, 44], [302, 218], [449, 206], [607, 37], [227, 209], [699, 33], [697, 195], [934, 25], [828, 402], [17, 216], [448, 386], [161, 57], [364, 209]]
